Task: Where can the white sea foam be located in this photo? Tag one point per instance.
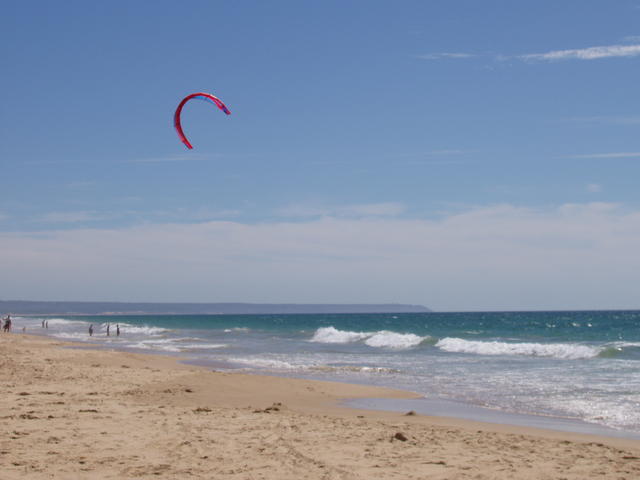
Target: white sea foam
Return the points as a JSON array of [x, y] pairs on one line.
[[237, 329], [555, 350], [165, 347], [187, 339], [353, 368], [263, 363], [381, 339], [202, 346], [617, 414], [71, 335]]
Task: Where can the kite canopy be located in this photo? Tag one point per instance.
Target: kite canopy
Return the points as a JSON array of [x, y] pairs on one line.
[[207, 97]]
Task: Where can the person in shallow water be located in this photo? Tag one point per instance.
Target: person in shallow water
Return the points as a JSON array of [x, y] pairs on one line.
[[117, 330], [91, 330]]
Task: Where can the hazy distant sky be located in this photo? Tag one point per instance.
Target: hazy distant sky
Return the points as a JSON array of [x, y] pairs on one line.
[[463, 155]]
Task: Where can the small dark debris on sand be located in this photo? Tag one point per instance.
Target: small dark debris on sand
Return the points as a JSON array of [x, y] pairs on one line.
[[400, 436], [202, 410], [277, 406]]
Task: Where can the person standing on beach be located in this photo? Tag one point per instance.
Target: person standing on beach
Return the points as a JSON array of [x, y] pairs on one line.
[[7, 323], [91, 330]]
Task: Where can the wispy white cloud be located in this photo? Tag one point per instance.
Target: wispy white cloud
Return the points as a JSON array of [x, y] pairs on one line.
[[590, 53], [445, 55], [69, 217], [606, 155], [491, 257], [371, 209], [384, 209], [195, 214], [594, 188]]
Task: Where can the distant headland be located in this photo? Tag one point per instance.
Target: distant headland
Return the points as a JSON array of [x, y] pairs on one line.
[[26, 307]]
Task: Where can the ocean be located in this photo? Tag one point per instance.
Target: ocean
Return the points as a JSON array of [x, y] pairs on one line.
[[569, 368]]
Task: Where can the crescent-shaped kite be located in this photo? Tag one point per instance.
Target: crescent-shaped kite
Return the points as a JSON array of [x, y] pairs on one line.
[[207, 97]]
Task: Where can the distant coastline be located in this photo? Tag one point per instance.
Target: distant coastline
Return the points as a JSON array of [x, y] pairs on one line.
[[28, 307]]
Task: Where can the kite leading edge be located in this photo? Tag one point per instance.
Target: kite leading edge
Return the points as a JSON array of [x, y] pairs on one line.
[[207, 97]]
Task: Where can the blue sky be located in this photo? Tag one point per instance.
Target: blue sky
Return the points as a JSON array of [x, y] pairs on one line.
[[463, 155]]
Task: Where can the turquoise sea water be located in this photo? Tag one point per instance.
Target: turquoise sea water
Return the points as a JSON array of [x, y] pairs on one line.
[[576, 365]]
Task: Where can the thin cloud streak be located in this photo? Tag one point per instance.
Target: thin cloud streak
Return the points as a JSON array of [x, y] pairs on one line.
[[606, 155], [445, 55], [591, 53]]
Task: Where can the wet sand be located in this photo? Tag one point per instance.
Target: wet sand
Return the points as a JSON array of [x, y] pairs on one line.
[[96, 414]]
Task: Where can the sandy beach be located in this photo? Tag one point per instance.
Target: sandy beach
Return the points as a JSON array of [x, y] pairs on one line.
[[79, 413]]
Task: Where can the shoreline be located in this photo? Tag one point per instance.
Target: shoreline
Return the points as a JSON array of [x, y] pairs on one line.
[[92, 413], [411, 401], [452, 409]]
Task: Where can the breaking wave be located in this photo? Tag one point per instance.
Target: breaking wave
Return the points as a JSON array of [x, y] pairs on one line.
[[381, 339], [142, 329], [555, 350], [176, 345]]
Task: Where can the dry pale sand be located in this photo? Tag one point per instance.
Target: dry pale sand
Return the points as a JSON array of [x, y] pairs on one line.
[[75, 414]]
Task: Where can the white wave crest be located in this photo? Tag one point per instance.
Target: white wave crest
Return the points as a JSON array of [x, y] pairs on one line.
[[333, 335], [394, 340], [237, 329], [61, 321], [175, 345], [142, 329], [381, 339], [621, 344], [555, 350]]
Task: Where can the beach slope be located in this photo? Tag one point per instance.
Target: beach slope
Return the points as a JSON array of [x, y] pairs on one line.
[[78, 413]]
